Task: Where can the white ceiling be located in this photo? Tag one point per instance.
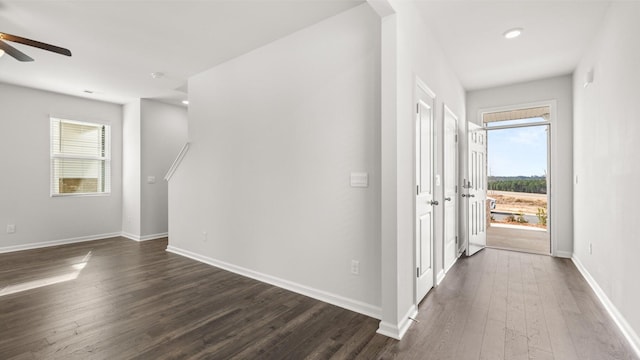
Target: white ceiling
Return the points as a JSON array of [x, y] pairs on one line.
[[556, 34], [117, 44]]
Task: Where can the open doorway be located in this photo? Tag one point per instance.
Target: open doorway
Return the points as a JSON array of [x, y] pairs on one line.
[[518, 187]]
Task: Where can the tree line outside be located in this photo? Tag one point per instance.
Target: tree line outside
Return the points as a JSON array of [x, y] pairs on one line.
[[526, 184]]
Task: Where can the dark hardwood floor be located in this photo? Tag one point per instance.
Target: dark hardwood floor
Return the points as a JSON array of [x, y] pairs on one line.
[[118, 299]]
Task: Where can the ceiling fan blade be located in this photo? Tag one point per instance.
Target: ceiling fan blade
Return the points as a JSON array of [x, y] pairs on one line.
[[17, 54], [38, 44]]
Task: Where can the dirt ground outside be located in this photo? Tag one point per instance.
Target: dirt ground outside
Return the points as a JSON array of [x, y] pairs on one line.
[[519, 203], [516, 202]]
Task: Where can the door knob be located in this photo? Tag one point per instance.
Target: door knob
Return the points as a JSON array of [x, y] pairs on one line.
[[447, 199], [433, 202], [471, 195]]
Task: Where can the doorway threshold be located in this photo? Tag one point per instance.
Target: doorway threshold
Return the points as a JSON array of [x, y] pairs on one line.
[[518, 238]]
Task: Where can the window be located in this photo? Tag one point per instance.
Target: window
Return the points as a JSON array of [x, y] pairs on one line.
[[80, 158]]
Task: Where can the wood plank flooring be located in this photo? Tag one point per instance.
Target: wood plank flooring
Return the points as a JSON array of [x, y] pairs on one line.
[[119, 299]]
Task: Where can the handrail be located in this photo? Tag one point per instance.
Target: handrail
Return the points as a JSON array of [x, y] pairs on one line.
[[177, 161]]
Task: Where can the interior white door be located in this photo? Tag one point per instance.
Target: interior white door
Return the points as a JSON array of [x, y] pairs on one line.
[[476, 189], [425, 201], [450, 188]]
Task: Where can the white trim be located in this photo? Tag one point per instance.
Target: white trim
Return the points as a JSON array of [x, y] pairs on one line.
[[440, 277], [627, 330], [398, 331], [563, 254], [145, 237], [177, 161], [517, 126], [63, 195], [44, 244], [343, 302], [552, 164], [455, 260], [422, 86], [446, 110], [54, 190]]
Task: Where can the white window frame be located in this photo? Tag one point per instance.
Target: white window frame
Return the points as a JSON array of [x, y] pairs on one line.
[[55, 154]]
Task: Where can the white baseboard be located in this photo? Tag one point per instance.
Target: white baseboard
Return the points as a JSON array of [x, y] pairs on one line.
[[397, 331], [145, 237], [349, 304], [130, 236], [44, 244], [627, 330], [564, 254], [439, 277], [455, 260]]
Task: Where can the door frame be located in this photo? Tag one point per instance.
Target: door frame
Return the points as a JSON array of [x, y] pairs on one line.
[[420, 85], [551, 140], [456, 177]]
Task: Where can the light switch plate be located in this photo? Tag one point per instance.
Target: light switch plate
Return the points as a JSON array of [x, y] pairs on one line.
[[151, 179], [359, 179]]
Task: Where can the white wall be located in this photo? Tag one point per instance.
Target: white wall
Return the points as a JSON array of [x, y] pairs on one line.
[[153, 134], [560, 90], [606, 158], [131, 199], [24, 155], [275, 135], [163, 133], [417, 53]]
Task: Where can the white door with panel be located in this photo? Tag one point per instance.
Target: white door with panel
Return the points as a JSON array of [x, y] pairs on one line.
[[450, 188], [425, 201], [476, 189]]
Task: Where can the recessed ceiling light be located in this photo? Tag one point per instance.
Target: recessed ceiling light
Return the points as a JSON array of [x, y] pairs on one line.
[[186, 102], [512, 33]]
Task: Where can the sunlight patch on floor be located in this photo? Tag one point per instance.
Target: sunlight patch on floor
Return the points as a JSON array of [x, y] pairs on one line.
[[51, 280]]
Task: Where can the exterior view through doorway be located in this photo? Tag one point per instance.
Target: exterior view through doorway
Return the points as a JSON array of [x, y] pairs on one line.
[[518, 179]]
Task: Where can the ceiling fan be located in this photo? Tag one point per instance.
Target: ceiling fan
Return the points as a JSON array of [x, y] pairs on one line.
[[19, 55]]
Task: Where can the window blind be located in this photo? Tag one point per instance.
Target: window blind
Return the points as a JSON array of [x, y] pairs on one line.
[[80, 158]]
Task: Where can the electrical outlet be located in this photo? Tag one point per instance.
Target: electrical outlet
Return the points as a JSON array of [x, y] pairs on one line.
[[355, 267], [11, 228], [590, 249], [205, 236]]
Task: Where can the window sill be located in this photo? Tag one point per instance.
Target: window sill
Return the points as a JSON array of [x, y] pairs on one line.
[[80, 195]]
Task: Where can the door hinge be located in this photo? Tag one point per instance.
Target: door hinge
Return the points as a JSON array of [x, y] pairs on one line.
[[456, 240], [456, 189], [456, 137], [417, 189], [417, 108], [417, 272]]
